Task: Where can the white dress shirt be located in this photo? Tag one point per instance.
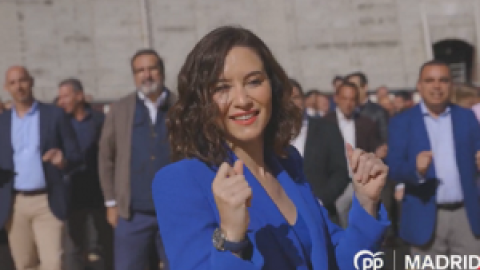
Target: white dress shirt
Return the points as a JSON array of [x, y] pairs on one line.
[[347, 128], [440, 135], [299, 141], [152, 111], [442, 142], [153, 106]]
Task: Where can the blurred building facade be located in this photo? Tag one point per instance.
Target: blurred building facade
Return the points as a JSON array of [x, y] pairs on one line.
[[313, 39]]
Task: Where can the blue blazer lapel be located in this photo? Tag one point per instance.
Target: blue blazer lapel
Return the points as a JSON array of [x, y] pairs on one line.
[[458, 126], [278, 230], [6, 141], [44, 118], [307, 209], [281, 230]]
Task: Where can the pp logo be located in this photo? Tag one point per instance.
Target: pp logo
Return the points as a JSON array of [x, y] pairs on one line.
[[371, 262]]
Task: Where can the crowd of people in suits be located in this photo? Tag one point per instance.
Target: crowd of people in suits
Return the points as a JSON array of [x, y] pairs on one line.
[[75, 184], [438, 137]]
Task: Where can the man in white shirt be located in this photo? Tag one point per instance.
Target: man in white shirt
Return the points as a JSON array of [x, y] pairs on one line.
[[298, 99], [322, 148], [356, 130], [133, 147], [435, 153]]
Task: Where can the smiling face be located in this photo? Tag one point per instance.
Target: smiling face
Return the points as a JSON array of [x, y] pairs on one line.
[[435, 86], [244, 96]]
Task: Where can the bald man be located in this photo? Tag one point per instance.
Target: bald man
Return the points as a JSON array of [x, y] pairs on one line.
[[38, 145]]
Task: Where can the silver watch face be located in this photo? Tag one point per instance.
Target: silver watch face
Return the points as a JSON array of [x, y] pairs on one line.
[[218, 239]]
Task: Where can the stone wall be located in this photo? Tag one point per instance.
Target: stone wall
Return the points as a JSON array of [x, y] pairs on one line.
[[313, 39]]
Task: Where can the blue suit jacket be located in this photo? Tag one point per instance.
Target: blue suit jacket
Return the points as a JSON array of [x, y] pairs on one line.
[[55, 132], [187, 216], [407, 138]]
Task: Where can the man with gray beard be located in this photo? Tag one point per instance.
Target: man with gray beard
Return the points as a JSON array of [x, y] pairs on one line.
[[133, 147]]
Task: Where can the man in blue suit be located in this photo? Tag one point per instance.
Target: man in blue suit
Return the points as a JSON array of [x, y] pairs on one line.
[[434, 149], [37, 145]]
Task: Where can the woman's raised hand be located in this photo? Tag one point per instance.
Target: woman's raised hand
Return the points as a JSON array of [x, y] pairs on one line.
[[369, 176], [232, 195]]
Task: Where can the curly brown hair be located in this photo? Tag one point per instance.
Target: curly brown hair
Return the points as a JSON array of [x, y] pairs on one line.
[[192, 122]]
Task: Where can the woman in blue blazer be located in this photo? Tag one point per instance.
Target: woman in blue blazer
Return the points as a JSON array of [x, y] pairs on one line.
[[237, 198]]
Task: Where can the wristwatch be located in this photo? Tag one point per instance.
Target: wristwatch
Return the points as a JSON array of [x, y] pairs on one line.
[[221, 243]]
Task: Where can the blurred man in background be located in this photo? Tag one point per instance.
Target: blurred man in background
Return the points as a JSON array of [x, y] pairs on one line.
[[133, 147], [87, 209], [382, 92], [317, 104], [387, 104], [358, 131], [402, 101], [366, 107], [465, 96], [38, 144], [336, 82], [434, 149], [325, 165]]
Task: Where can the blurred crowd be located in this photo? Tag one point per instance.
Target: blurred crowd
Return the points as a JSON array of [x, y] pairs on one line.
[[80, 196]]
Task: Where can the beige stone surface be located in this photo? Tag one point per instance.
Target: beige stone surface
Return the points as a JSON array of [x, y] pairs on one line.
[[313, 39]]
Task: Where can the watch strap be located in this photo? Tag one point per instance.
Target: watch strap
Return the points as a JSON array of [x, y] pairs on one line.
[[236, 246], [221, 243]]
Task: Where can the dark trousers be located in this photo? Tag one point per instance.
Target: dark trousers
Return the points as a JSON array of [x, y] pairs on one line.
[[6, 262], [388, 200], [87, 231], [134, 241]]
